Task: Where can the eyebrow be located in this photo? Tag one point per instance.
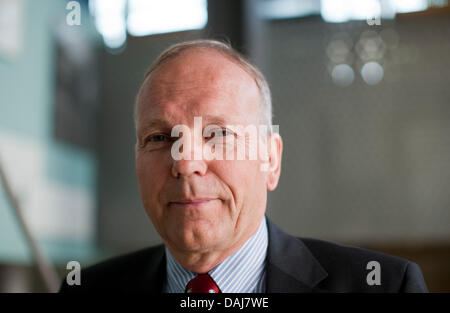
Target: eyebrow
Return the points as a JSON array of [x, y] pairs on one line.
[[213, 119], [162, 124], [155, 123]]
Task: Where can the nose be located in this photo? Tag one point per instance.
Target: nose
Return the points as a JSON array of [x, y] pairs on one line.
[[191, 161], [187, 168]]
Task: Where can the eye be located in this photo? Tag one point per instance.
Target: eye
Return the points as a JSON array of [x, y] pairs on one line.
[[157, 138], [222, 132], [225, 132]]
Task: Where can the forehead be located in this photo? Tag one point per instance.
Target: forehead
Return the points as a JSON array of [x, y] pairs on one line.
[[198, 83]]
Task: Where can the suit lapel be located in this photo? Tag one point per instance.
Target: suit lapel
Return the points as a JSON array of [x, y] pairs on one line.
[[153, 278], [291, 267]]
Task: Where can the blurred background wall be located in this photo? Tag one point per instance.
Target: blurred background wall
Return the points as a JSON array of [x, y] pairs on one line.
[[360, 93]]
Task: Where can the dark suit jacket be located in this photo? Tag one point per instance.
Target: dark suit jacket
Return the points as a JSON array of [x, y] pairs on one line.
[[294, 265]]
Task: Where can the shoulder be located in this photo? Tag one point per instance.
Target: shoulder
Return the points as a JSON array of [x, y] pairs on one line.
[[127, 263], [120, 273], [330, 252], [352, 267]]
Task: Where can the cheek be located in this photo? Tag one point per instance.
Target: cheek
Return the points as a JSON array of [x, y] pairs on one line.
[[243, 178], [151, 172]]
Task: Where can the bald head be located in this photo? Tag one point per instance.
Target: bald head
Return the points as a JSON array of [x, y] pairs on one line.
[[201, 75], [209, 50]]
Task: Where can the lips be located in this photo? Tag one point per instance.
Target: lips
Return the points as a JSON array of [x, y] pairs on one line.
[[195, 202]]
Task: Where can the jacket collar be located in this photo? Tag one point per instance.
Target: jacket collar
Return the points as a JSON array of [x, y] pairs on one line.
[[291, 267]]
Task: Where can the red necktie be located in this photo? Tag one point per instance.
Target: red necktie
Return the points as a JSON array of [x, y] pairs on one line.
[[203, 283]]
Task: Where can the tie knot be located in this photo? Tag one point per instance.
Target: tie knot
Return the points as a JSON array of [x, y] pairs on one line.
[[203, 283]]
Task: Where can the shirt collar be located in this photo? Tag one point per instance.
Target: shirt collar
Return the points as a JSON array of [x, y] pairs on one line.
[[241, 272]]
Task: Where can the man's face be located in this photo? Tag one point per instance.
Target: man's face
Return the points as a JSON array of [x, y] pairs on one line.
[[198, 205]]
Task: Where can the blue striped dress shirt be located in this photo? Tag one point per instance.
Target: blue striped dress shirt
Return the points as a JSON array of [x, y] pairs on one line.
[[242, 272]]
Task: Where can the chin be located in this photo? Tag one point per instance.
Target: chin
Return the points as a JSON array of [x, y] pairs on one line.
[[197, 241]]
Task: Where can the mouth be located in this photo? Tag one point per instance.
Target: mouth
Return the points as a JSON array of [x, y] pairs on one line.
[[192, 203]]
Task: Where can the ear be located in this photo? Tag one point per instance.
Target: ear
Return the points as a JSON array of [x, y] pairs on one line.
[[275, 149]]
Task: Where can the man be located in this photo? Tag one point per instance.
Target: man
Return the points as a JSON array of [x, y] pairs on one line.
[[194, 115]]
